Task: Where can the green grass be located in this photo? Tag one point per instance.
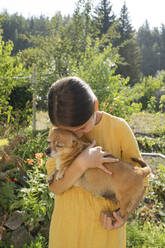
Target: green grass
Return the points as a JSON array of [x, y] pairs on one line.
[[145, 236], [147, 123]]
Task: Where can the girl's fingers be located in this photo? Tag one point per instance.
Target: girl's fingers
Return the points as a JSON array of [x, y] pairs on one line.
[[106, 221], [119, 220], [93, 144], [118, 217], [110, 160], [104, 169]]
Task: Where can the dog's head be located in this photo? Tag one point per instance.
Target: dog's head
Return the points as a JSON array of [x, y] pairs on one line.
[[61, 142]]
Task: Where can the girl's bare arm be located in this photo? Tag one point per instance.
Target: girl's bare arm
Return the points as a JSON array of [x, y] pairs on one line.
[[91, 157]]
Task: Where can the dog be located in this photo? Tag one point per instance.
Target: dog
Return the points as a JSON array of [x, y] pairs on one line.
[[125, 184]]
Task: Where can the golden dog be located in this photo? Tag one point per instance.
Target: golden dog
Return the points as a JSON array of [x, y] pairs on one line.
[[125, 184]]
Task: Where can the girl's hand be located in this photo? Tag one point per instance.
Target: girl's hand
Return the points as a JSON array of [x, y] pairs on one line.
[[93, 157], [110, 222]]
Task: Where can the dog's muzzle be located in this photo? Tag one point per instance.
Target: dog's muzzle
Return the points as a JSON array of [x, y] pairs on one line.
[[48, 151]]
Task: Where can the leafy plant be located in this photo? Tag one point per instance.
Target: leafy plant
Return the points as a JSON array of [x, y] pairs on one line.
[[7, 194], [145, 236], [150, 144], [146, 226], [39, 242], [145, 91], [152, 208], [35, 201], [10, 67]]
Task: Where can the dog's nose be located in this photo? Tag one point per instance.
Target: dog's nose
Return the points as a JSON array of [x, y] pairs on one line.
[[48, 151]]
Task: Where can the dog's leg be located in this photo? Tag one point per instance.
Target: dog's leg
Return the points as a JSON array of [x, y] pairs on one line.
[[50, 178], [60, 174]]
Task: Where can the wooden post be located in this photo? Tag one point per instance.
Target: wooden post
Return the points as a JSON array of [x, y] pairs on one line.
[[34, 83]]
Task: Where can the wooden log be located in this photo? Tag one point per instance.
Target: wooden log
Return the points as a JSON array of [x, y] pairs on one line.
[[153, 154]]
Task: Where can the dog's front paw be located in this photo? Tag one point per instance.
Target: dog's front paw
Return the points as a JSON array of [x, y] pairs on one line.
[[60, 174], [50, 178]]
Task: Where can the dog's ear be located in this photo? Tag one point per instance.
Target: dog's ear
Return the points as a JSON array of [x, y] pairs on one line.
[[54, 129], [74, 142], [54, 132]]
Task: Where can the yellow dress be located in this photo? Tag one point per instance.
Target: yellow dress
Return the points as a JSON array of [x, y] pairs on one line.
[[75, 221]]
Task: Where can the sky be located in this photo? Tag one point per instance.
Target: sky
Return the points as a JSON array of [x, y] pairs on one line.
[[139, 10]]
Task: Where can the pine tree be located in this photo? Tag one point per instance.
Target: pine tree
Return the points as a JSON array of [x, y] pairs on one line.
[[162, 48], [145, 41], [125, 27], [130, 60], [104, 16]]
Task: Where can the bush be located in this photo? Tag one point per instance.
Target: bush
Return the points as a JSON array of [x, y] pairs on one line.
[[144, 92], [10, 67]]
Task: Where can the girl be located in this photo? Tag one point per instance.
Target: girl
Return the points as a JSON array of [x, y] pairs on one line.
[[79, 219]]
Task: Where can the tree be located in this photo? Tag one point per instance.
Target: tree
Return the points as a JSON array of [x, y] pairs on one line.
[[104, 17], [125, 27], [162, 48], [98, 69], [10, 67], [145, 41], [130, 59]]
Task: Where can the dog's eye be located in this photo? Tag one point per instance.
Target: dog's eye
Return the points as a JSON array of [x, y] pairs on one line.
[[59, 144]]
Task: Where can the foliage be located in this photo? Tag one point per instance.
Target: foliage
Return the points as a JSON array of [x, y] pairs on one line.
[[10, 67], [98, 69], [39, 242], [36, 201], [152, 208], [7, 195], [151, 106], [104, 16], [149, 144], [146, 226], [130, 60], [152, 46], [162, 103], [29, 193], [129, 51], [125, 27], [18, 29], [87, 21], [146, 90], [143, 236]]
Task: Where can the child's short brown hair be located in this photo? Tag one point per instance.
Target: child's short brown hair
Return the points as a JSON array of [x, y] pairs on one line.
[[70, 102]]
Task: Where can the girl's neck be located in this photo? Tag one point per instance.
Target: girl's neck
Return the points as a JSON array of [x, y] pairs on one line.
[[99, 115]]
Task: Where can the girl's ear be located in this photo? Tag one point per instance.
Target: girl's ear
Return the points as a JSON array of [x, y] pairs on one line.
[[96, 105]]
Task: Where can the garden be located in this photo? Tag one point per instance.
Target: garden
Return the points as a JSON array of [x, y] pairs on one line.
[[114, 64]]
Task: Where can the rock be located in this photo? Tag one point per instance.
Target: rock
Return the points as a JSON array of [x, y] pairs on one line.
[[20, 237], [14, 221]]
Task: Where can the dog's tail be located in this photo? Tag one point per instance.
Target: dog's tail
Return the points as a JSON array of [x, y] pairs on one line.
[[145, 168]]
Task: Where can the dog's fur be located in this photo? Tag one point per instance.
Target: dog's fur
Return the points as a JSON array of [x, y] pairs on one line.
[[125, 184]]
